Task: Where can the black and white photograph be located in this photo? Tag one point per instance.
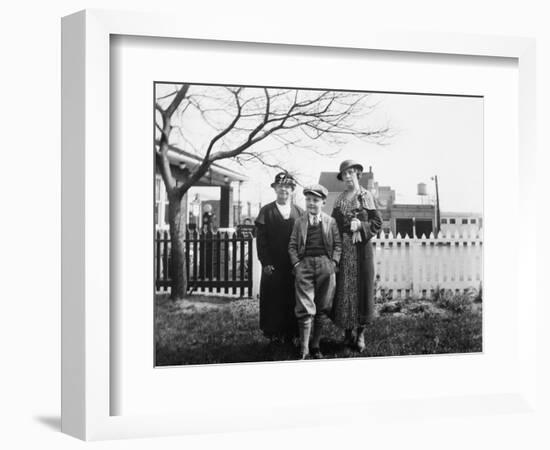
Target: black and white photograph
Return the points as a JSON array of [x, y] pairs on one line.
[[305, 223], [289, 225]]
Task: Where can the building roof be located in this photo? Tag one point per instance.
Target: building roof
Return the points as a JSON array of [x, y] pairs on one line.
[[412, 206], [329, 180], [451, 214], [182, 159]]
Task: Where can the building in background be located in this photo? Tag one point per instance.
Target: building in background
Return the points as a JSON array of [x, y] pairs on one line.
[[220, 198], [462, 223], [411, 219], [384, 195]]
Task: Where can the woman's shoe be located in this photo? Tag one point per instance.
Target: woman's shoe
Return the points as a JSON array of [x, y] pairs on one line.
[[316, 353], [361, 340], [348, 338]]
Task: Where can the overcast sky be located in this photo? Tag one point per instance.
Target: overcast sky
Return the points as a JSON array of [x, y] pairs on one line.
[[432, 135]]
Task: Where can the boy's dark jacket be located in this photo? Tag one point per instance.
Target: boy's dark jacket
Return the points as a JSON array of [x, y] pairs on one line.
[[331, 238]]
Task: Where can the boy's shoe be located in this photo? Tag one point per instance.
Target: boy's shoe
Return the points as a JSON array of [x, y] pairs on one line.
[[303, 355], [316, 353]]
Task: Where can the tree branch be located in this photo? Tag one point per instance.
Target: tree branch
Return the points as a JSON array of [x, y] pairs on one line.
[[162, 160], [228, 128], [177, 100], [288, 116]]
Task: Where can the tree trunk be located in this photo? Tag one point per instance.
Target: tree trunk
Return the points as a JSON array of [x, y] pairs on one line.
[[177, 253]]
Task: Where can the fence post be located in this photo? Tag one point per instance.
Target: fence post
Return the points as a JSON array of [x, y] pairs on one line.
[[157, 260], [167, 243], [187, 246], [414, 260], [218, 238], [226, 261], [195, 258], [256, 271], [242, 264], [234, 277], [249, 267]]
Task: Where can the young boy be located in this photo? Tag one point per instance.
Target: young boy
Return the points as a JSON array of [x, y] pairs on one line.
[[314, 248]]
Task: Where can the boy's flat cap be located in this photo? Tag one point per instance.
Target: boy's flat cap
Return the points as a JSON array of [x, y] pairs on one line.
[[316, 189]]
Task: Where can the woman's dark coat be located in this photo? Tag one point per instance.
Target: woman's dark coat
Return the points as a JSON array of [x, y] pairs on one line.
[[276, 290]]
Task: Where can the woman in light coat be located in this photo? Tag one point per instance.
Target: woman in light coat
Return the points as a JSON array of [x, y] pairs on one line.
[[358, 221]]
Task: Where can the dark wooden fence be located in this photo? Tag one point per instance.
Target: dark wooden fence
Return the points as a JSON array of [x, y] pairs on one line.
[[215, 262]]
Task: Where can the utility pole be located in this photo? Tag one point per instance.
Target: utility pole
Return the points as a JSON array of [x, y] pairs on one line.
[[437, 212]]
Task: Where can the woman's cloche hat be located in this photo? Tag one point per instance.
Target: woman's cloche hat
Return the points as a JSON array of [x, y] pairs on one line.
[[284, 178], [347, 164]]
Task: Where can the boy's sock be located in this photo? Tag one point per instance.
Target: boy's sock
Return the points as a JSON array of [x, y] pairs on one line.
[[305, 332], [317, 332]]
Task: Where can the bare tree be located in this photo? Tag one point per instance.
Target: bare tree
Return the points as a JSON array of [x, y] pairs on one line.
[[244, 124]]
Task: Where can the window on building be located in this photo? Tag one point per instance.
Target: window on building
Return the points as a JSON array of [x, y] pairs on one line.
[[472, 220], [452, 221], [444, 221], [464, 221]]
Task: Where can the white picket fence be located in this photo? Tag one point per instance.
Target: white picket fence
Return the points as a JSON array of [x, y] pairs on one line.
[[407, 267]]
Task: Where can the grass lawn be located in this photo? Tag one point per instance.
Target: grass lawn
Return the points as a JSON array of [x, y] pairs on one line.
[[211, 329]]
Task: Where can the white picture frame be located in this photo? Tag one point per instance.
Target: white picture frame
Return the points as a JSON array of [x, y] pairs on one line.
[[86, 325]]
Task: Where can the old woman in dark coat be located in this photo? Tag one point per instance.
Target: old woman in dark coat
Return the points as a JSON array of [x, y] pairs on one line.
[[273, 227], [358, 221]]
